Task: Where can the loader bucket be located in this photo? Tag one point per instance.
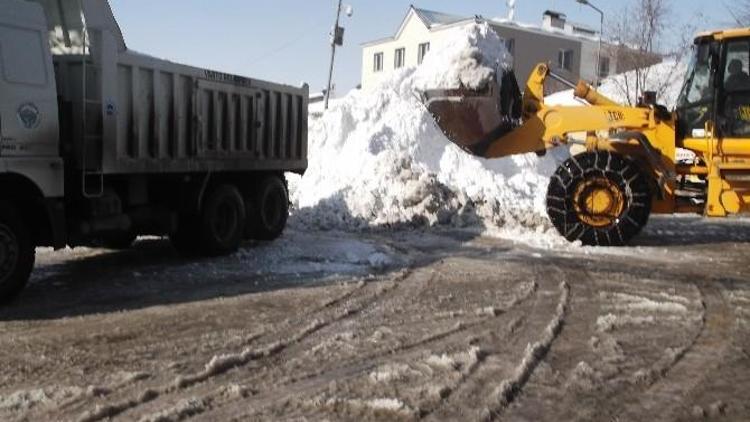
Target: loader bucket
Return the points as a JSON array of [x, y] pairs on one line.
[[472, 119]]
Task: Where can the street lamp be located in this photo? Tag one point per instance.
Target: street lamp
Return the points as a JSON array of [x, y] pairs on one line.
[[601, 33], [337, 38]]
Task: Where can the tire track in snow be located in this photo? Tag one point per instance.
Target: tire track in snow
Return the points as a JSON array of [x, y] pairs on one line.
[[448, 390], [122, 388], [686, 368], [535, 353], [224, 363], [306, 383]]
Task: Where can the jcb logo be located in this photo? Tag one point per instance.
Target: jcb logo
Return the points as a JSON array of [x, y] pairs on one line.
[[615, 116]]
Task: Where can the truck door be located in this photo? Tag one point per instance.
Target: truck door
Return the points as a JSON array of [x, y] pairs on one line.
[[28, 96]]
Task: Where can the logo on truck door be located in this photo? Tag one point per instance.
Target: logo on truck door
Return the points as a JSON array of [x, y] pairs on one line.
[[28, 115]]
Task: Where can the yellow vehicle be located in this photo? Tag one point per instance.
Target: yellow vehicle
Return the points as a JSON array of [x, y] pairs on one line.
[[604, 196]]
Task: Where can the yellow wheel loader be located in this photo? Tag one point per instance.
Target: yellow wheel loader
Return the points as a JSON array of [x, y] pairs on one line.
[[604, 195]]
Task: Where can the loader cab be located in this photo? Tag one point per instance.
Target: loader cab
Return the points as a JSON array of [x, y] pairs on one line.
[[695, 105], [715, 99], [734, 98]]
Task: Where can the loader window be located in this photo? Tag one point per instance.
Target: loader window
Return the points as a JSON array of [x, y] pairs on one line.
[[695, 105], [735, 113]]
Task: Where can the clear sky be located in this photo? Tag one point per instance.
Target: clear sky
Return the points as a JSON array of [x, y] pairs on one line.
[[287, 40]]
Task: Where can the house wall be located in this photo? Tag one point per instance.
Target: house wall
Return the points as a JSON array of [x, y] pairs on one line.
[[545, 48], [414, 33], [532, 48], [589, 66]]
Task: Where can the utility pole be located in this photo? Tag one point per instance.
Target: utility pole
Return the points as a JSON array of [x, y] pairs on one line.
[[337, 38], [601, 34]]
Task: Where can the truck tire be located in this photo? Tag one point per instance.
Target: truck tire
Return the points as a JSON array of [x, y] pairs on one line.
[[599, 198], [17, 253], [222, 225], [271, 209]]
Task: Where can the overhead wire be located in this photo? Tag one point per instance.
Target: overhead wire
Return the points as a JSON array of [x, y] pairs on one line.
[[287, 44]]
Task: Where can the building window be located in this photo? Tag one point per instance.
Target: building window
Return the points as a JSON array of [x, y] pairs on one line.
[[399, 58], [565, 59], [424, 48], [377, 62], [510, 45], [604, 67]]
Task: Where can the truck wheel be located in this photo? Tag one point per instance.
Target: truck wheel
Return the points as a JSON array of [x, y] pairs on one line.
[[599, 198], [17, 254], [272, 208], [222, 225]]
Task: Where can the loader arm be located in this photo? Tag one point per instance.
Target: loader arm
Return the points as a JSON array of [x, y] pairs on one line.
[[544, 127], [474, 120]]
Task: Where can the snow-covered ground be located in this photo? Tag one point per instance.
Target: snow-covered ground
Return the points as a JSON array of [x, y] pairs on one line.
[[437, 323]]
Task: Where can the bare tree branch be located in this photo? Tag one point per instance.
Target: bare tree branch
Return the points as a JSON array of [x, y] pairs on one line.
[[639, 34], [740, 11]]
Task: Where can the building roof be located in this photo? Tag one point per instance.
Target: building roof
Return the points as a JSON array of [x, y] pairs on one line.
[[432, 18], [437, 20]]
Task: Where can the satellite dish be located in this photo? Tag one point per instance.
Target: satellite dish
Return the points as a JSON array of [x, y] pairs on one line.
[[349, 10]]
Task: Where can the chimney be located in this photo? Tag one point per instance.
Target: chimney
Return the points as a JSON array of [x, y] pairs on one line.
[[511, 9], [552, 19]]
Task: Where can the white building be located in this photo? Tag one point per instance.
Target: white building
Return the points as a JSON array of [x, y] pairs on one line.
[[571, 48]]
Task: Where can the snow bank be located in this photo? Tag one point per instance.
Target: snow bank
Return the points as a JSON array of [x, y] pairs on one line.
[[470, 57], [378, 159], [665, 78]]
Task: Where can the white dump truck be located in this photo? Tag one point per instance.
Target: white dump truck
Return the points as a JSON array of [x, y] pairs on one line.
[[100, 144]]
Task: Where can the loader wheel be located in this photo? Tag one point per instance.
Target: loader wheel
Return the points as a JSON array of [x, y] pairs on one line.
[[17, 254], [599, 198], [222, 225], [271, 209]]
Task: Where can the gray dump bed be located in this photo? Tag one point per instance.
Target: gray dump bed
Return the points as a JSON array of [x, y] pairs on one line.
[[143, 114]]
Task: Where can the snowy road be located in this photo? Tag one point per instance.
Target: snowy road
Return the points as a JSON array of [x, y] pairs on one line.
[[446, 325]]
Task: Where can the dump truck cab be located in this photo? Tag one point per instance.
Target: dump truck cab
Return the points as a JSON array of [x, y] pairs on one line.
[[29, 124]]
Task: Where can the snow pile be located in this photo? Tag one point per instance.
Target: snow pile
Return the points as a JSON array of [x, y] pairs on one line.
[[665, 78], [378, 159], [470, 57]]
